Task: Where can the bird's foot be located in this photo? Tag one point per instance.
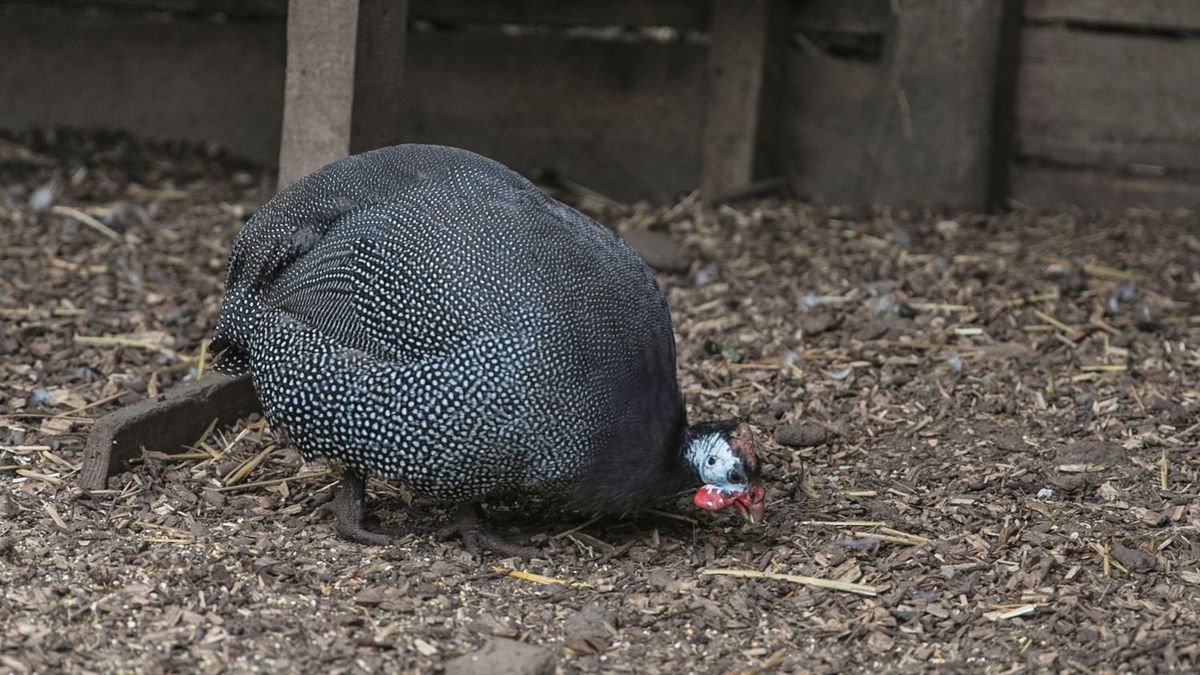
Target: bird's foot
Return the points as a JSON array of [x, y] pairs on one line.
[[351, 523], [350, 520], [476, 540]]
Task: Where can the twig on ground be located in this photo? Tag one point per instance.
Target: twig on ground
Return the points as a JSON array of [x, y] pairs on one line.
[[859, 589]]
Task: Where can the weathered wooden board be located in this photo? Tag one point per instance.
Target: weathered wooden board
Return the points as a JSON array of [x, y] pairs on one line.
[[841, 16], [1108, 100], [677, 13], [319, 86], [772, 121], [344, 70], [622, 116], [735, 73], [166, 423], [1058, 189], [1170, 15], [378, 73], [831, 110], [239, 8], [156, 76], [937, 103], [914, 128]]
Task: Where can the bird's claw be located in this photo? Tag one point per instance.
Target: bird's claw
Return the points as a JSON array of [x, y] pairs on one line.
[[476, 540]]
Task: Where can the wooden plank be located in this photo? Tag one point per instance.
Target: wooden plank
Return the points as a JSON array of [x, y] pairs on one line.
[[342, 88], [166, 423], [1169, 15], [772, 121], [238, 8], [623, 118], [826, 156], [828, 103], [936, 112], [1004, 96], [735, 71], [319, 85], [916, 128], [378, 74], [841, 16], [166, 78], [677, 13], [1060, 189], [1108, 100]]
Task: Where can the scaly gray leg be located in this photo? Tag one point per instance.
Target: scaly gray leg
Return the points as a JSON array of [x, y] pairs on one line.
[[349, 510], [475, 539], [349, 507]]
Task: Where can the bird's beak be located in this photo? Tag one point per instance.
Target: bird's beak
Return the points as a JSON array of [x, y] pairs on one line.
[[750, 503]]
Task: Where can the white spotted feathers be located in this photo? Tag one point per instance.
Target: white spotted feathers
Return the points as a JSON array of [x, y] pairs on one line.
[[427, 315]]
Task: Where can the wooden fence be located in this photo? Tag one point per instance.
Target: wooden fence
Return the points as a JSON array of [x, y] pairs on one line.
[[969, 104]]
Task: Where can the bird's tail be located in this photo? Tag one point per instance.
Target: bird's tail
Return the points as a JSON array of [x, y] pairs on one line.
[[242, 312]]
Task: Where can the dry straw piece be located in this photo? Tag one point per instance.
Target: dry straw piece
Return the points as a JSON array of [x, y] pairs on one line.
[[859, 589]]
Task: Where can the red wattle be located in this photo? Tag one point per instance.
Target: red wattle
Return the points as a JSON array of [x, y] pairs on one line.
[[711, 498]]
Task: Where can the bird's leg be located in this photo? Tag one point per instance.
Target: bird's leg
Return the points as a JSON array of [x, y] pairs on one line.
[[350, 523], [466, 524], [349, 507]]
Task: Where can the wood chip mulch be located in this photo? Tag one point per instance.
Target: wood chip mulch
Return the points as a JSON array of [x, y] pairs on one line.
[[980, 433]]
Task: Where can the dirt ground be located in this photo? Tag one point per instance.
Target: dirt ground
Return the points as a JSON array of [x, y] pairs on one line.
[[988, 422]]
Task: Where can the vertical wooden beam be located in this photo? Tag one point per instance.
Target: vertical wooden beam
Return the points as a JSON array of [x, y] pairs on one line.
[[318, 92], [738, 32], [769, 146], [936, 110], [342, 88], [378, 73], [1004, 106]]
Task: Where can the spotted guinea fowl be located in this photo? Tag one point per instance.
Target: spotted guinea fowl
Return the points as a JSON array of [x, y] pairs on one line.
[[426, 315]]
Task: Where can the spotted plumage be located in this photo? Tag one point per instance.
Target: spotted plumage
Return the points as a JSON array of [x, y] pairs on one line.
[[425, 314]]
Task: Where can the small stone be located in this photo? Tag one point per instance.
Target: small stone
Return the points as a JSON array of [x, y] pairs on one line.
[[880, 642], [500, 655], [369, 596], [801, 435], [1133, 559], [872, 330], [1173, 410], [1091, 452], [660, 251], [214, 498], [489, 624], [819, 321], [661, 578], [1071, 483], [706, 275], [778, 409], [587, 646], [590, 623]]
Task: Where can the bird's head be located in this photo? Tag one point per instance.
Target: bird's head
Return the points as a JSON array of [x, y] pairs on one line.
[[724, 456]]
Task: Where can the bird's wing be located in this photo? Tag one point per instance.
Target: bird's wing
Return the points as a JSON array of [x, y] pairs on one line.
[[420, 273], [297, 224], [301, 214]]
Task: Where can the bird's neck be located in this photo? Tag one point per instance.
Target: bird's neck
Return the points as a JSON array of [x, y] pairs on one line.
[[636, 470]]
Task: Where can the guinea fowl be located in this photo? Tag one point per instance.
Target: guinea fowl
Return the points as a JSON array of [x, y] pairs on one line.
[[424, 314]]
